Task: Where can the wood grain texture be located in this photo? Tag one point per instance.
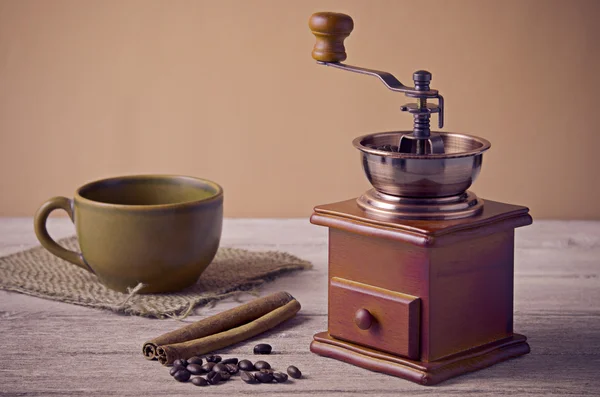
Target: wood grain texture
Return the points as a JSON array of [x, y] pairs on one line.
[[55, 349], [471, 294]]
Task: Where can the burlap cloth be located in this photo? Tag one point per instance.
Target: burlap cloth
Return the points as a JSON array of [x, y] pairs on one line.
[[37, 272]]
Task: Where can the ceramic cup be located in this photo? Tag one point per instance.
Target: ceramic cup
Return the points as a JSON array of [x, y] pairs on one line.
[[159, 230]]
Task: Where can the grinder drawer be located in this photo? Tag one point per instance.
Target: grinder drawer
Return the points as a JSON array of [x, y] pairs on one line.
[[374, 317]]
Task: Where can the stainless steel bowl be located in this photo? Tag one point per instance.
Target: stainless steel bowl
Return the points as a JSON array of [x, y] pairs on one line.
[[415, 175]]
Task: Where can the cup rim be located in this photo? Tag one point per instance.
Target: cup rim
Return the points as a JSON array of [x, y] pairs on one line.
[[140, 207]]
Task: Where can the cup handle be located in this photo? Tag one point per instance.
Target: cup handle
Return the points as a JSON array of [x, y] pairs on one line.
[[39, 223]]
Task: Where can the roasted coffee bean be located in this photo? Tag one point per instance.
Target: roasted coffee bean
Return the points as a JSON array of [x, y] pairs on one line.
[[219, 367], [280, 377], [195, 360], [213, 359], [264, 377], [248, 377], [213, 377], [225, 375], [262, 348], [199, 381], [180, 362], [174, 369], [267, 371], [246, 365], [208, 366], [230, 361], [182, 375], [261, 365], [294, 372], [232, 368], [195, 369]]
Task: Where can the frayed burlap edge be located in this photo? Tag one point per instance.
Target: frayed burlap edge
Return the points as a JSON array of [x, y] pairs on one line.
[[147, 305]]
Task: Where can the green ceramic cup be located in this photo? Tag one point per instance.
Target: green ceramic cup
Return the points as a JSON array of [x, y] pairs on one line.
[[158, 230]]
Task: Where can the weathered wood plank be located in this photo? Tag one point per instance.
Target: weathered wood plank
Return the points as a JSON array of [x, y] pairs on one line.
[[50, 348]]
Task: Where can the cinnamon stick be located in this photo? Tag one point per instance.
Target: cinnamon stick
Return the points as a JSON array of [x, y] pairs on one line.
[[169, 353], [218, 323]]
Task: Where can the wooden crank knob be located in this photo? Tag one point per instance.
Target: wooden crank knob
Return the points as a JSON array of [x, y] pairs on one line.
[[363, 319], [330, 29]]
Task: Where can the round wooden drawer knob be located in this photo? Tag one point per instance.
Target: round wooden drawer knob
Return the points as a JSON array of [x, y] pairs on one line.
[[363, 319]]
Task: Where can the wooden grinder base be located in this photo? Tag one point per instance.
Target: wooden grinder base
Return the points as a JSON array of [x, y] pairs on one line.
[[424, 300], [427, 374]]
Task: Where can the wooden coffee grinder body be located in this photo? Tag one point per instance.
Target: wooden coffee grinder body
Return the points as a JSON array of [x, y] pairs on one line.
[[424, 300]]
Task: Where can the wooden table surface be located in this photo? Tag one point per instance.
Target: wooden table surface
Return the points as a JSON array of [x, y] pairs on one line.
[[54, 349]]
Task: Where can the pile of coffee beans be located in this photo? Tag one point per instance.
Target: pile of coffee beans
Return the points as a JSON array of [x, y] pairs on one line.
[[217, 370]]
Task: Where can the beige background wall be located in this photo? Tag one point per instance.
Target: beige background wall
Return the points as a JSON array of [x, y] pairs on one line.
[[227, 90]]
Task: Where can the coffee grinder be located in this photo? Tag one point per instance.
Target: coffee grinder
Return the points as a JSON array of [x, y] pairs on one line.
[[420, 269]]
